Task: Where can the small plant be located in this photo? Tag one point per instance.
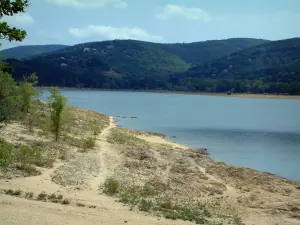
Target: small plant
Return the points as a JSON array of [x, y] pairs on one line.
[[42, 196], [53, 198], [9, 192], [89, 143], [60, 197], [29, 195], [29, 170], [148, 190], [66, 201], [166, 204], [80, 204], [298, 187], [13, 193], [92, 207], [129, 196], [111, 186], [145, 205], [237, 220]]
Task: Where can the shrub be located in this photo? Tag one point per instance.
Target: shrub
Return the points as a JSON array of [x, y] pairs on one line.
[[53, 198], [13, 193], [80, 204], [6, 155], [129, 196], [60, 197], [42, 196], [29, 195], [166, 204], [111, 187], [145, 205], [89, 143], [29, 170], [35, 156], [66, 201]]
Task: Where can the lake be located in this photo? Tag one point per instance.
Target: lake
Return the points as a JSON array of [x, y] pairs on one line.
[[258, 133]]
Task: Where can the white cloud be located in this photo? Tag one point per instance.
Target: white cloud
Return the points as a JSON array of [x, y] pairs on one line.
[[121, 5], [89, 3], [20, 19], [181, 11], [108, 32]]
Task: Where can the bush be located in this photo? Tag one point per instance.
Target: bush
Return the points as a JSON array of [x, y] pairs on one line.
[[80, 204], [42, 196], [13, 193], [6, 155], [29, 195], [35, 156], [66, 201], [129, 196], [29, 170], [89, 143], [145, 205], [111, 187]]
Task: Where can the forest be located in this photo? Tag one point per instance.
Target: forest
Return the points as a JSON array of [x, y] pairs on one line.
[[240, 65]]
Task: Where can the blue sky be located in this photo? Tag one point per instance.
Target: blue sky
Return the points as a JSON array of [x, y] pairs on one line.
[[76, 21]]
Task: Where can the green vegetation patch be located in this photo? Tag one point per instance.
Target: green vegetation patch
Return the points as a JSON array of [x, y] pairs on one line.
[[123, 137], [147, 198]]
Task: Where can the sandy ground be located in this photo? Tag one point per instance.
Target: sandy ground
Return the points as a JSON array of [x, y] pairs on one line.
[[108, 211], [90, 173]]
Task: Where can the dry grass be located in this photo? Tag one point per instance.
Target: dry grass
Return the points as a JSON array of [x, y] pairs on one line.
[[77, 172], [125, 138]]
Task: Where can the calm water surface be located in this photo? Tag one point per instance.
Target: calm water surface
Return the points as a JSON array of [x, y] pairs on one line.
[[262, 134]]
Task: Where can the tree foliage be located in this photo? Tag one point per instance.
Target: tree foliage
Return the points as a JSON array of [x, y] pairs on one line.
[[6, 155], [9, 97], [57, 103], [9, 8], [27, 91]]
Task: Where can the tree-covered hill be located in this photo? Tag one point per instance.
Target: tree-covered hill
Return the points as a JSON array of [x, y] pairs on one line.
[[128, 57], [200, 52], [23, 52], [273, 67]]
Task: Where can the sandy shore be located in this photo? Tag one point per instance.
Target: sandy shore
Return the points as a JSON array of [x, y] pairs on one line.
[[258, 198]]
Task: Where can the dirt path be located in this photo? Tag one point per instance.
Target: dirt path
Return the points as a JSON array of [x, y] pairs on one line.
[[21, 211], [108, 157]]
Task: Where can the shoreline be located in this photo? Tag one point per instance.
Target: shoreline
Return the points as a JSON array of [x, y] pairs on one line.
[[161, 138], [235, 95], [145, 168]]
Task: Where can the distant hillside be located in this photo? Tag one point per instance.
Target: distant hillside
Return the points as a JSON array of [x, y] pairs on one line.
[[132, 58], [87, 72], [273, 68], [200, 52], [23, 52]]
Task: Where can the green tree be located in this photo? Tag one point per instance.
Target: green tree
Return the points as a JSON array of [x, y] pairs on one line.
[[9, 8], [57, 103], [27, 92], [9, 97]]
